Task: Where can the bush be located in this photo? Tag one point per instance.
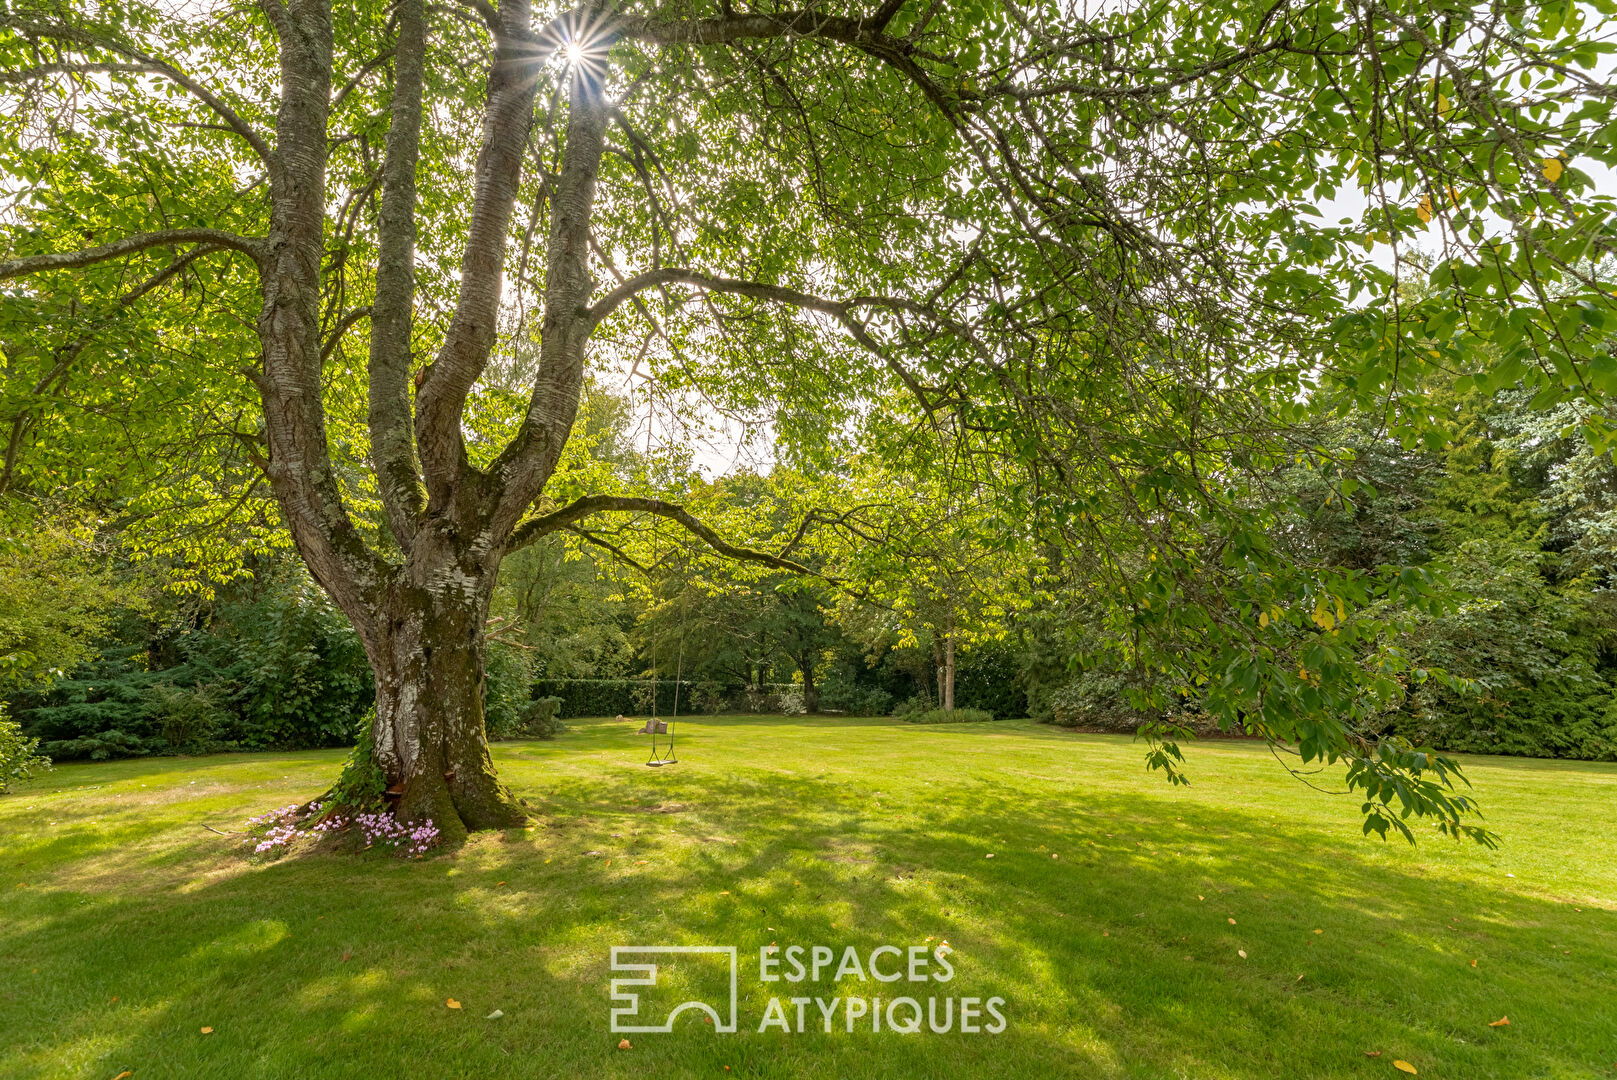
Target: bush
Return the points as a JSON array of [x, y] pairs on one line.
[[989, 676], [187, 717], [1095, 699], [708, 697], [949, 716], [507, 690], [534, 719], [278, 668], [19, 759], [857, 700], [791, 702], [918, 704]]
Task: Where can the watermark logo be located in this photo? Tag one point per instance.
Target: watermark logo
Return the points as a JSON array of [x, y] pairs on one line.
[[627, 1002], [900, 990]]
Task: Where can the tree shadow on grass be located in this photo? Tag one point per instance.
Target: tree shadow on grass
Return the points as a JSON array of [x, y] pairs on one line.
[[1101, 919]]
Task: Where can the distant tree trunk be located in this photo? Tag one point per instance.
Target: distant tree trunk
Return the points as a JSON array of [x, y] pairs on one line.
[[811, 693], [948, 673]]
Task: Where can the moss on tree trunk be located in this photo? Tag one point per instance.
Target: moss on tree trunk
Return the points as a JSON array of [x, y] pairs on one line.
[[429, 735]]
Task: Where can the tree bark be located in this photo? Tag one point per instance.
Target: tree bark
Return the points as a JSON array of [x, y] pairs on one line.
[[811, 693], [428, 656], [948, 673]]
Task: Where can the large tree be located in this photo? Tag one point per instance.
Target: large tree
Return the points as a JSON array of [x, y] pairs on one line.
[[1080, 236]]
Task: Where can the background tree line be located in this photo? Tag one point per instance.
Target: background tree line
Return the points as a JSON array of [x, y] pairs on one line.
[[921, 602]]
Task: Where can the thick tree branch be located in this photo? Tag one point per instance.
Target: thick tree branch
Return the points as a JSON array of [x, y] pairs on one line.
[[527, 462], [73, 260], [392, 427], [507, 117], [299, 464], [577, 510]]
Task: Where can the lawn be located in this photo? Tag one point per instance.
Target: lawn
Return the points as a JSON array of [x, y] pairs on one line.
[[1111, 918]]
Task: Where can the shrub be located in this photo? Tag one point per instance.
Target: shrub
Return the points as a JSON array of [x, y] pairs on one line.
[[1096, 699], [187, 717], [708, 697], [507, 690], [99, 746], [791, 702], [19, 759], [535, 719], [989, 676], [857, 700], [918, 704], [949, 716]]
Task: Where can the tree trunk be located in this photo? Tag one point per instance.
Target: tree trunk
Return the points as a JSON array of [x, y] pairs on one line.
[[811, 693], [428, 657], [948, 673]]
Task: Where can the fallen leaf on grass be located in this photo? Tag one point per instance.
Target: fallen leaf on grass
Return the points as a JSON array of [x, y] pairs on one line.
[[990, 855], [1232, 922], [1319, 931], [1241, 953], [495, 1015], [452, 1003], [347, 955], [1473, 963], [207, 1031], [1503, 1021], [1300, 977], [1372, 1053], [623, 1044], [497, 884], [1404, 1066], [124, 1075]]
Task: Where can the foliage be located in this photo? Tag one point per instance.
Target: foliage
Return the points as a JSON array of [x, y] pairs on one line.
[[360, 785], [268, 664], [1080, 275], [19, 757], [609, 697], [57, 595], [508, 688], [1097, 700], [511, 708]]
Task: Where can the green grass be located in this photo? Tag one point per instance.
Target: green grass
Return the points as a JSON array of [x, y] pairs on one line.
[[1102, 919]]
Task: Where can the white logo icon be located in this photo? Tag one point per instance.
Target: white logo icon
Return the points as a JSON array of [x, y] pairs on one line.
[[622, 960]]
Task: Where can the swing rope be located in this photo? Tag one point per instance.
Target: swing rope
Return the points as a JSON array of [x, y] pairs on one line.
[[667, 756]]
